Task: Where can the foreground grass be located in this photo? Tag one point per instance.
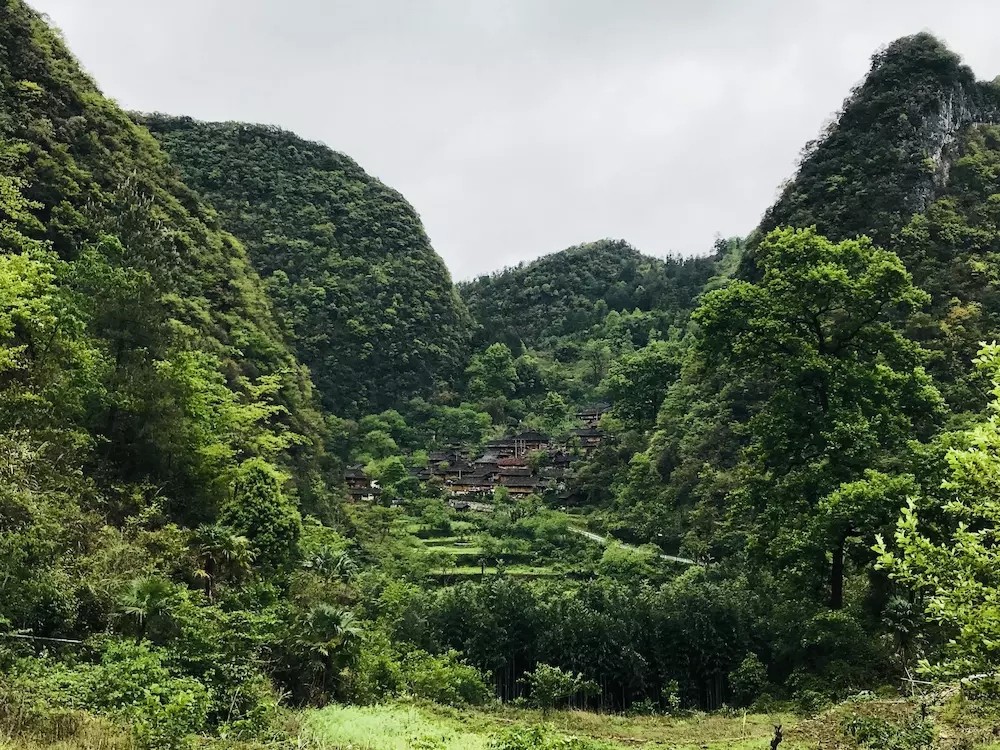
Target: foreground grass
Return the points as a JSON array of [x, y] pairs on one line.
[[402, 726], [391, 727], [959, 725], [62, 730]]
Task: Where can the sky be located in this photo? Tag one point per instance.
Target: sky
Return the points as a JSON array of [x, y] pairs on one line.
[[518, 128]]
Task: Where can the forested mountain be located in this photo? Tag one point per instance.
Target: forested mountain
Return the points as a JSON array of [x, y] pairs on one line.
[[889, 150], [568, 292], [831, 380], [911, 162], [345, 259], [157, 434]]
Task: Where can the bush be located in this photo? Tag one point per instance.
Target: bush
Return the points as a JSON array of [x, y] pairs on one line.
[[748, 680], [130, 684], [880, 734], [550, 686], [542, 737], [444, 679]]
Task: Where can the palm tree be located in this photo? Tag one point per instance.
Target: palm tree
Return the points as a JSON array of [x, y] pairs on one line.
[[330, 562], [222, 554], [148, 602], [328, 637]]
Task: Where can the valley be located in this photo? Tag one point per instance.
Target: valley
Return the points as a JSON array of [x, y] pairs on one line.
[[270, 478]]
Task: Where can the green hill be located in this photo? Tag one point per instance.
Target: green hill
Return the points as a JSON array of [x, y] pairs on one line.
[[172, 323], [887, 153], [370, 304], [569, 292], [910, 162]]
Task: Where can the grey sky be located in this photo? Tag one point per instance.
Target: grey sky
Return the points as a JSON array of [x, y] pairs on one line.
[[520, 127]]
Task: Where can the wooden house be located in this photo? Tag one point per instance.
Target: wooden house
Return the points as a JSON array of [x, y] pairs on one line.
[[591, 415], [589, 437], [360, 486]]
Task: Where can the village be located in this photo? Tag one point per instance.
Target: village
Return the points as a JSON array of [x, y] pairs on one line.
[[527, 463]]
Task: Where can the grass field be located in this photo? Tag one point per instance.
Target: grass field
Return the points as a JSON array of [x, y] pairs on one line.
[[393, 727], [401, 726]]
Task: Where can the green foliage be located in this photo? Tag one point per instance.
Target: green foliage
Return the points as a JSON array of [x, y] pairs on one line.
[[952, 562], [874, 166], [571, 291], [370, 304], [748, 680], [544, 737], [550, 686], [829, 381], [637, 383], [444, 679], [875, 732], [492, 373], [130, 683], [258, 510]]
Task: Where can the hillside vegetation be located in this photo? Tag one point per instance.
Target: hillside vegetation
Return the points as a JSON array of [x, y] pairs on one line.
[[622, 502], [570, 291], [370, 304]]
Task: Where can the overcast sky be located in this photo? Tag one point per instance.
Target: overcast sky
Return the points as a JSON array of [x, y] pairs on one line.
[[520, 127]]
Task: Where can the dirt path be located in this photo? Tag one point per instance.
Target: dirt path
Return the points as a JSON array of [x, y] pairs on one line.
[[609, 540]]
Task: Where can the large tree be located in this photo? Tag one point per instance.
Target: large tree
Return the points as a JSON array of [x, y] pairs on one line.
[[831, 386], [953, 562]]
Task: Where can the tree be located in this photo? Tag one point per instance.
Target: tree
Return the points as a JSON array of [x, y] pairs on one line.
[[554, 411], [638, 382], [551, 686], [492, 373], [597, 354], [258, 510], [149, 602], [325, 641], [953, 565], [222, 555], [831, 384]]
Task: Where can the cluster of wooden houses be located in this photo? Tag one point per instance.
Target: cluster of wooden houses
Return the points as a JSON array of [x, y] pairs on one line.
[[524, 464]]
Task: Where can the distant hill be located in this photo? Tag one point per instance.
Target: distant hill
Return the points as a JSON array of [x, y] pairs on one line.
[[570, 291], [371, 306]]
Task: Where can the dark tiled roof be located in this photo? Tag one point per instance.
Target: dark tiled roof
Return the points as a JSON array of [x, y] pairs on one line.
[[533, 436], [513, 461], [520, 481], [588, 432]]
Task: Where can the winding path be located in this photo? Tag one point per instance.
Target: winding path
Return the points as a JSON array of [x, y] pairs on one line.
[[608, 540]]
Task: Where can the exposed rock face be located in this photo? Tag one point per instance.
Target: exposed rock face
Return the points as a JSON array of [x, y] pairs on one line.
[[889, 152], [955, 110]]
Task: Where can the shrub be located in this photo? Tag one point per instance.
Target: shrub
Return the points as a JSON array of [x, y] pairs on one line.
[[551, 686], [444, 679], [880, 734], [542, 737], [748, 680]]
